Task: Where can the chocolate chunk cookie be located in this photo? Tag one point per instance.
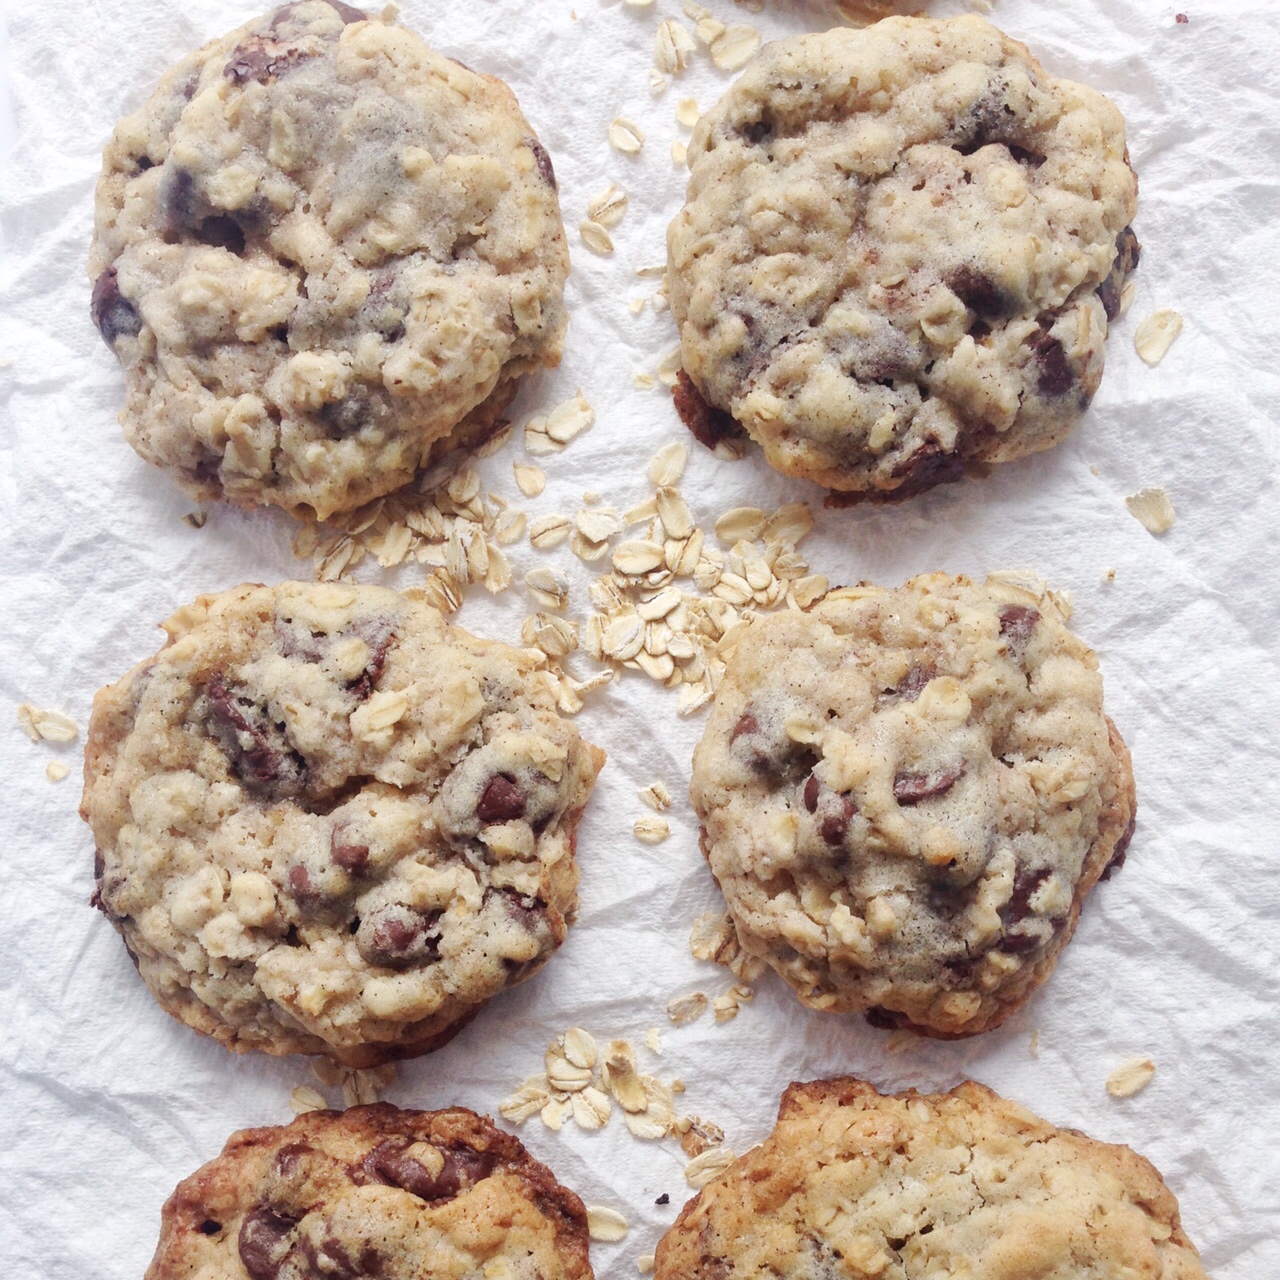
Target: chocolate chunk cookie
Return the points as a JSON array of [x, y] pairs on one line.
[[374, 1191], [928, 1187], [906, 795], [322, 253], [328, 822], [899, 252]]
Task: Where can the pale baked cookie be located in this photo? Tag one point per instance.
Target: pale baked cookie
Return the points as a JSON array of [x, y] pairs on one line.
[[329, 822], [906, 795], [373, 1191], [955, 1186], [898, 253], [320, 250]]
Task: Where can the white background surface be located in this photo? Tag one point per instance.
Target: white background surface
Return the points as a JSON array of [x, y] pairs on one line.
[[105, 1103]]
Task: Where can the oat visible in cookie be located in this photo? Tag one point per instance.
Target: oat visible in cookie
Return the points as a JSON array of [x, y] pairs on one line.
[[899, 254], [907, 794], [374, 1191], [927, 1187], [322, 254], [329, 822]]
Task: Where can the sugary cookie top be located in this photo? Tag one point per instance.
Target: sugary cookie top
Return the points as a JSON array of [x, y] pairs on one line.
[[899, 251], [319, 246], [327, 821], [928, 1187], [373, 1191], [906, 793]]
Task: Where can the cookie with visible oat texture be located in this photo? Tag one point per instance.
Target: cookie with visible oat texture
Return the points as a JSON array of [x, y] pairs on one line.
[[373, 1191], [323, 254], [898, 255], [906, 796], [329, 822]]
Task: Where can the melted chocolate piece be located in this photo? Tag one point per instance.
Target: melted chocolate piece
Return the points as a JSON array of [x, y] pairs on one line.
[[912, 685], [502, 801], [115, 316], [209, 1227], [397, 936], [379, 636], [262, 1242], [543, 161], [463, 1167], [746, 724], [708, 424], [835, 825], [330, 1260], [881, 1019], [289, 1157], [1017, 623], [912, 788], [928, 467], [254, 60], [268, 763], [811, 790], [1018, 909], [1056, 376], [348, 854], [978, 292], [1128, 254]]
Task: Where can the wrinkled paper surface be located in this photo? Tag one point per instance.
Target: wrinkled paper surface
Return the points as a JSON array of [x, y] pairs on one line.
[[105, 1103]]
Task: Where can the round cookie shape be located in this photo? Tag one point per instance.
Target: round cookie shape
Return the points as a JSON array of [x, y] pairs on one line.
[[898, 255], [329, 822], [907, 794], [927, 1187], [323, 254], [373, 1191]]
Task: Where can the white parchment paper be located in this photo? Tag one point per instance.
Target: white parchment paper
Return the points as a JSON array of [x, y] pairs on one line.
[[105, 1103]]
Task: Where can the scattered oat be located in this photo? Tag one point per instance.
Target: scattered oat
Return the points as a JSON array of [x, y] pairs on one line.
[[1130, 1077], [563, 1075], [554, 1112], [548, 586], [596, 238], [568, 420], [656, 796], [644, 1264], [304, 1098], [687, 113], [653, 1040], [598, 524], [668, 366], [605, 1226], [1155, 335], [687, 1008], [591, 1108], [714, 938], [626, 136], [554, 636], [667, 465], [1152, 509], [651, 830], [328, 1072], [708, 28], [196, 519], [740, 524], [549, 531], [50, 726], [529, 1098], [679, 152], [607, 208], [580, 1047], [900, 1041], [531, 480], [363, 1088], [708, 1166], [56, 771], [725, 1006], [674, 46], [734, 47]]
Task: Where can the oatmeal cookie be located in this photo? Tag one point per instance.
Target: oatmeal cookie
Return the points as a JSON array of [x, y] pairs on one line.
[[373, 1191], [906, 795], [323, 253], [928, 1187], [899, 252], [329, 822]]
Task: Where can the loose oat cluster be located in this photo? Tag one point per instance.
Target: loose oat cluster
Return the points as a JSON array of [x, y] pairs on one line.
[[906, 795], [328, 822], [899, 253], [928, 1187], [374, 1191], [322, 254]]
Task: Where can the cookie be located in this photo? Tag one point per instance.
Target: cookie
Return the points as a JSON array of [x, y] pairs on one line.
[[906, 795], [322, 254], [329, 822], [899, 252], [928, 1187], [373, 1191]]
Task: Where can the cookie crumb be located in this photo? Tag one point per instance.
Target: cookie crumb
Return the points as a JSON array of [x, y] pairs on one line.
[[1181, 19], [900, 1041], [1033, 1045], [1152, 509], [651, 830], [1130, 1077], [196, 519], [56, 771], [1109, 574], [605, 1225], [1156, 334], [679, 153], [40, 724]]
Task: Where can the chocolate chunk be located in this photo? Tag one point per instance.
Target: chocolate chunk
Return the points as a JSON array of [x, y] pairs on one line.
[[262, 61], [348, 12], [113, 313], [1056, 376], [664, 1198], [543, 161], [221, 231], [257, 748], [378, 635], [746, 724], [1128, 254], [289, 1157], [350, 415], [929, 466], [1032, 159], [503, 801], [529, 913], [756, 133], [1121, 851], [836, 825], [1017, 623], [977, 291], [398, 936], [463, 1168], [263, 1241], [1018, 908], [708, 424], [302, 889], [912, 788], [961, 969], [912, 685], [349, 854], [330, 1260], [811, 790], [880, 1018]]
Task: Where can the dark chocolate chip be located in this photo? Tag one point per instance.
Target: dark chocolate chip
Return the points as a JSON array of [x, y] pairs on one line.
[[113, 313], [378, 635], [756, 133], [397, 936], [664, 1198], [347, 853], [543, 161], [709, 425], [929, 466], [266, 761], [253, 60], [289, 1157], [1025, 883], [977, 291], [221, 231], [1017, 624], [835, 824], [502, 801], [811, 790], [746, 724], [912, 685], [463, 1168], [263, 1241], [1056, 376], [350, 415], [330, 1260], [912, 788], [209, 1227], [1128, 254], [1032, 159]]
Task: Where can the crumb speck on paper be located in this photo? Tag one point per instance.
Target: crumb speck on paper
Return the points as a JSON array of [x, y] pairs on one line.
[[1109, 575], [1152, 509], [56, 771], [1181, 19], [1130, 1077], [196, 519]]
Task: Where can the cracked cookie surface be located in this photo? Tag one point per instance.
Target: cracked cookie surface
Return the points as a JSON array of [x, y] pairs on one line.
[[329, 822], [899, 252], [373, 1191], [323, 253], [928, 1187], [906, 795]]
